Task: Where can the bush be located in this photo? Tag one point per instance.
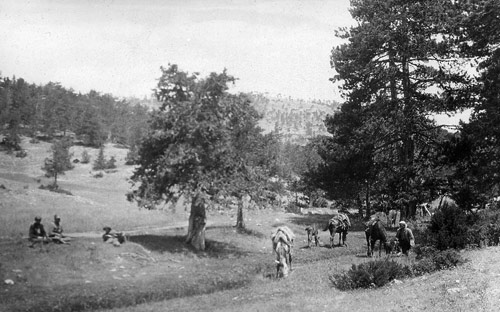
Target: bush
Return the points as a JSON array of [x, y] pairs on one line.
[[85, 157], [381, 272], [132, 156], [370, 274], [451, 228], [111, 163], [447, 259], [438, 259], [423, 266], [21, 154]]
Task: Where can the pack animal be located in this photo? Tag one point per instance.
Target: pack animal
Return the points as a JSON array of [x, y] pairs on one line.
[[339, 224], [312, 234], [376, 232], [282, 239]]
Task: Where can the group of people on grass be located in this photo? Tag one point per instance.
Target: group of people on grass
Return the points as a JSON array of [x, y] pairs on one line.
[[38, 235]]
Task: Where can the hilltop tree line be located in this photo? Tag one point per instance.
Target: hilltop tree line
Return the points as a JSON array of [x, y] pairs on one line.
[[51, 110]]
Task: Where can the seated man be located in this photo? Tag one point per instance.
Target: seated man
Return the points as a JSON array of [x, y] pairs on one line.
[[111, 237], [37, 232], [57, 232]]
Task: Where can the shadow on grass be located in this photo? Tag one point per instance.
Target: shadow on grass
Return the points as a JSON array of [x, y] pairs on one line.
[[177, 245]]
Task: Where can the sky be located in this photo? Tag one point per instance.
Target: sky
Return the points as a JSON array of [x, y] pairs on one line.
[[279, 47]]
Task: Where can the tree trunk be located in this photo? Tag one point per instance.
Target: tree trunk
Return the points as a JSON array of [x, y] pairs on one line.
[[360, 205], [197, 222], [243, 205], [368, 206]]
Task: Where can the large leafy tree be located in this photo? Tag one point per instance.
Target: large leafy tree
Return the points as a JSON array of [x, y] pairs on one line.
[[198, 145], [399, 65]]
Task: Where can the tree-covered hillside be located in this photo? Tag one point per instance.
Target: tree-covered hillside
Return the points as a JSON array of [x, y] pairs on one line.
[[51, 110]]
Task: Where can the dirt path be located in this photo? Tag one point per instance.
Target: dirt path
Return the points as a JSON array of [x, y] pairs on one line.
[[146, 230]]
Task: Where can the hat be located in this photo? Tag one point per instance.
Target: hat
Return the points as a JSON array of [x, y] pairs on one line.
[[37, 218], [402, 222], [56, 217]]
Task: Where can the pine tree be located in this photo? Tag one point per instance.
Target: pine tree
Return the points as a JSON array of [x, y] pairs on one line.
[[100, 162], [60, 161]]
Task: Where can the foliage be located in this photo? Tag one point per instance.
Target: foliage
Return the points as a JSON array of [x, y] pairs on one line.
[[49, 110], [202, 138], [132, 156], [85, 157], [451, 227], [476, 151], [60, 161], [380, 272], [370, 274], [111, 163], [382, 143], [100, 161]]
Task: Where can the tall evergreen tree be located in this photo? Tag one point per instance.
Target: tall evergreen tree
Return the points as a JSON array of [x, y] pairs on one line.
[[399, 65]]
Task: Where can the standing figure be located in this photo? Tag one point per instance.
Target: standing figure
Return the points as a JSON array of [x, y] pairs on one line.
[[405, 238], [56, 234], [37, 233]]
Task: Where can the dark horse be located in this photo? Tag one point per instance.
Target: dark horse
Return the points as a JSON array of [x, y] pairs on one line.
[[338, 224], [376, 232]]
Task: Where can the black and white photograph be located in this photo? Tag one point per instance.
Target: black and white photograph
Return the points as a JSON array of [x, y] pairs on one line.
[[249, 155]]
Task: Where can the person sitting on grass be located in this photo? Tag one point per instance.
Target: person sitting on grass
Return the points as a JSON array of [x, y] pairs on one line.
[[57, 235], [111, 237], [37, 233]]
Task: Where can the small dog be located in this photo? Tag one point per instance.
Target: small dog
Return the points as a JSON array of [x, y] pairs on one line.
[[312, 233]]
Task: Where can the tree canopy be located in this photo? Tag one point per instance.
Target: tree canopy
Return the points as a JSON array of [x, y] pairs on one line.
[[400, 64], [202, 138]]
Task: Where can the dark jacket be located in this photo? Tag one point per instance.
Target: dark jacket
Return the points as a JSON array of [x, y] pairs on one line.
[[37, 230]]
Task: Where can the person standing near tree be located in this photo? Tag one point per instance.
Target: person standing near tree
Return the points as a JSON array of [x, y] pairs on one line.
[[405, 238]]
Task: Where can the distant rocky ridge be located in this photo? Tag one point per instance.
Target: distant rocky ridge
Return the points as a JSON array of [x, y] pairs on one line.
[[296, 120]]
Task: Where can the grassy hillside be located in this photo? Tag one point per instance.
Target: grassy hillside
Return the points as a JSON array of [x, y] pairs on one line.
[[95, 202]]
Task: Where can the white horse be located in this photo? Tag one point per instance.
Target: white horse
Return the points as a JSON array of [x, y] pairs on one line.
[[282, 239]]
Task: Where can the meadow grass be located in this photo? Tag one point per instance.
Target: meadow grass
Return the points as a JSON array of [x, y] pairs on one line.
[[94, 203]]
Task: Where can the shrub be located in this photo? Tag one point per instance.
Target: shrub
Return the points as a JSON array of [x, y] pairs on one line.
[[111, 163], [100, 162], [447, 259], [423, 266], [370, 274], [85, 157], [21, 154], [439, 259], [132, 156], [450, 228], [379, 273]]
